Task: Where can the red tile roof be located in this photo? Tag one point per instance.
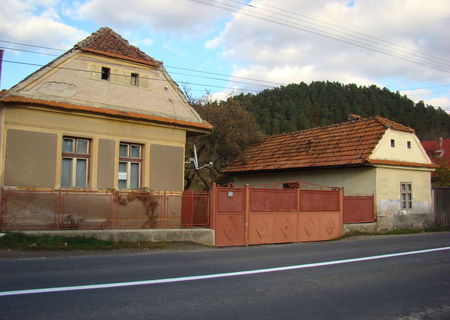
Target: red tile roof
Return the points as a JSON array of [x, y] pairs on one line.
[[432, 146], [202, 127], [345, 144], [106, 42]]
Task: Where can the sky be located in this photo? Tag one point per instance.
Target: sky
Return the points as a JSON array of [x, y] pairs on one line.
[[224, 47]]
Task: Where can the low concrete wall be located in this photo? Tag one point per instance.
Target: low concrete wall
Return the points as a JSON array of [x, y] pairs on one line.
[[360, 227], [201, 236]]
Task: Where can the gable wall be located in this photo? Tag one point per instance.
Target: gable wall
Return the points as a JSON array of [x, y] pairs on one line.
[[78, 80], [400, 152]]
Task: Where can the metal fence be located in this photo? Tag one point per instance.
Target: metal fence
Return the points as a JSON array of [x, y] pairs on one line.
[[58, 209], [359, 209]]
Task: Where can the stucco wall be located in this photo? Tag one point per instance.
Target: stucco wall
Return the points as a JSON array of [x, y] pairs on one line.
[[166, 167], [105, 136], [390, 214], [106, 152], [30, 158], [356, 181]]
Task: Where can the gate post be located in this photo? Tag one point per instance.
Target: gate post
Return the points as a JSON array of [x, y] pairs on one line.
[[247, 210], [341, 209], [212, 218]]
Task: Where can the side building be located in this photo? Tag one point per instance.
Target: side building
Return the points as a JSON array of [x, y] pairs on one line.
[[365, 156]]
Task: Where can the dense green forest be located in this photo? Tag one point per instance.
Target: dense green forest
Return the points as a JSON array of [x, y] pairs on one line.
[[302, 106], [245, 119]]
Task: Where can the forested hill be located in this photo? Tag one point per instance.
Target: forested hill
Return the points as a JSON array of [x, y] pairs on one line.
[[302, 106]]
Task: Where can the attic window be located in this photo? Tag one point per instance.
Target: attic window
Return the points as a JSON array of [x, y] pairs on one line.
[[408, 144], [392, 143], [135, 79], [106, 72]]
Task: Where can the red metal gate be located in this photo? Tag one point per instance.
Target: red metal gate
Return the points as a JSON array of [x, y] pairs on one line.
[[245, 216]]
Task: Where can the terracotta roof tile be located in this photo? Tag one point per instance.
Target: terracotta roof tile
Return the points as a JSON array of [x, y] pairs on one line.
[[106, 42], [348, 143]]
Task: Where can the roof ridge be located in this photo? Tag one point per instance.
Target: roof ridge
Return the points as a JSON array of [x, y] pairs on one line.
[[108, 42], [320, 128]]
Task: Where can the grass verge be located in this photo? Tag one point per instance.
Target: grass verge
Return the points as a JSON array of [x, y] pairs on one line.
[[21, 241], [395, 232]]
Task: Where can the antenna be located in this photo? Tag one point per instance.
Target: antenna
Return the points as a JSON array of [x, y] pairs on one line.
[[195, 161]]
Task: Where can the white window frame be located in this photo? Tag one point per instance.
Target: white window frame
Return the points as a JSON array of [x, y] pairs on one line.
[[74, 156], [129, 160], [406, 194]]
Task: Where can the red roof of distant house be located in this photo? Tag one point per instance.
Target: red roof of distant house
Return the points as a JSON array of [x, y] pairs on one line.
[[345, 144], [437, 150], [106, 42]]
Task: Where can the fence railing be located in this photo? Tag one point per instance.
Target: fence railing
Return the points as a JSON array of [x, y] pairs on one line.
[[59, 209]]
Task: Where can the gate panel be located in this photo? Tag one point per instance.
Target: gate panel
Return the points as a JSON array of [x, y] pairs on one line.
[[359, 209], [229, 207], [319, 200], [230, 230]]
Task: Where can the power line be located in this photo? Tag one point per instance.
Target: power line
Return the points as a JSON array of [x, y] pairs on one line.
[[357, 43], [342, 29], [122, 75], [167, 66]]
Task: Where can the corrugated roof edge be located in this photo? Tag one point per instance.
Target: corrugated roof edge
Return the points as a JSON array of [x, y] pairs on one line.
[[205, 126]]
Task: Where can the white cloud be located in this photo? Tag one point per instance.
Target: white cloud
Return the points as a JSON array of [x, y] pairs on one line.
[[179, 16], [281, 52], [443, 102], [36, 22]]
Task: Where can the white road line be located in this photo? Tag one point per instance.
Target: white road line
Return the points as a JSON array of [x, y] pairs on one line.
[[213, 276]]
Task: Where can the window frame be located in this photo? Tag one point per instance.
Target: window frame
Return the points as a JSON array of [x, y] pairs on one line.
[[392, 143], [105, 71], [74, 156], [406, 188], [129, 160], [134, 79]]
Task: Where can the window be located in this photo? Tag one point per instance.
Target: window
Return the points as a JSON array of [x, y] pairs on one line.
[[106, 72], [408, 144], [392, 143], [75, 162], [130, 161], [135, 79], [405, 195]]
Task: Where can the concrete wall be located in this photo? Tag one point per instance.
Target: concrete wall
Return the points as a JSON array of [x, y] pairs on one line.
[[34, 147]]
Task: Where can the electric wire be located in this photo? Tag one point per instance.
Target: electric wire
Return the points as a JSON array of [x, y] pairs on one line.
[[324, 24], [430, 64]]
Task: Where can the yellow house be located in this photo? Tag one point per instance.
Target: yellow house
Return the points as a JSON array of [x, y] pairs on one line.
[[373, 156], [103, 115]]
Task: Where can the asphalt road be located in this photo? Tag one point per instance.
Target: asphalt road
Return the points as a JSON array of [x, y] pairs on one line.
[[316, 281]]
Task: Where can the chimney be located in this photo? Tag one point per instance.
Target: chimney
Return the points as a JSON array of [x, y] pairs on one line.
[[354, 117]]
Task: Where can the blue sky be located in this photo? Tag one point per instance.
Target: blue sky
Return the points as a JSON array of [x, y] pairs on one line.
[[401, 45]]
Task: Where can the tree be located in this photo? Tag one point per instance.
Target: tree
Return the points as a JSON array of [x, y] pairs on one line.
[[234, 130]]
